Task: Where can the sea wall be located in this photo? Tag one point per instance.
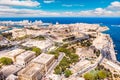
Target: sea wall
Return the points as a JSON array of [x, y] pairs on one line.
[[111, 48]]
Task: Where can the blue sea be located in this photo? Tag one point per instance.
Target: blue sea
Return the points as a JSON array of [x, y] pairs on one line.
[[112, 23]]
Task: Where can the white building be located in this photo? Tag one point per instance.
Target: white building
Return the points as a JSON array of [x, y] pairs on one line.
[[33, 71], [25, 58], [16, 33], [45, 59], [40, 44], [14, 53], [10, 69], [12, 77]]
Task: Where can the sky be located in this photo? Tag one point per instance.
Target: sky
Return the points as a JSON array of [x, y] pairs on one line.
[[59, 8]]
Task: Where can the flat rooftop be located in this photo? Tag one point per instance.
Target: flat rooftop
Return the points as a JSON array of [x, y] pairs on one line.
[[40, 44], [10, 69], [15, 52], [43, 58], [26, 55], [115, 66], [31, 69], [80, 65]]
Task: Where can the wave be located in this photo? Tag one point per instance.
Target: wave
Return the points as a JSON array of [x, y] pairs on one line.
[[116, 25]]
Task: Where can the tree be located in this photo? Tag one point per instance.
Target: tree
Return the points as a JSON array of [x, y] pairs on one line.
[[64, 63], [7, 35], [102, 74], [36, 50], [97, 52], [6, 61], [86, 43], [68, 73], [89, 76], [58, 70], [40, 37], [74, 58], [55, 53]]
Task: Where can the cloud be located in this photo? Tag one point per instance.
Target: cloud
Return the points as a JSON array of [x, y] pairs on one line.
[[114, 6], [79, 5], [48, 1], [13, 12], [112, 10], [71, 5], [98, 12], [26, 3], [67, 5]]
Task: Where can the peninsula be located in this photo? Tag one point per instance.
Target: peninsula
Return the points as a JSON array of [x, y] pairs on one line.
[[45, 51]]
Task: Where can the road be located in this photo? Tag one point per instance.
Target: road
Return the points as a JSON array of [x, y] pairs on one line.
[[90, 67], [105, 53], [51, 41], [56, 63]]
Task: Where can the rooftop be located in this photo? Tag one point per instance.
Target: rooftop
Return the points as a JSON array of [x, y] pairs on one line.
[[40, 44], [31, 69], [26, 55], [15, 52], [11, 77], [43, 58], [11, 69]]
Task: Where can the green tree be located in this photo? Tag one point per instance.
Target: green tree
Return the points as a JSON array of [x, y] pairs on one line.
[[36, 50], [86, 43], [74, 57], [89, 76], [40, 37], [6, 61], [64, 63], [102, 74], [68, 73], [55, 53], [58, 70]]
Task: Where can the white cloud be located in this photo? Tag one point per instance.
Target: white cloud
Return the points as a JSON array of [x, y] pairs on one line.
[[26, 3], [114, 6], [111, 10], [48, 1], [12, 12], [79, 5], [70, 5], [4, 7], [67, 5], [99, 11]]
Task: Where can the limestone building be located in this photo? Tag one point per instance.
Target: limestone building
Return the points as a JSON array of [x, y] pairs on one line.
[[25, 58], [33, 71], [14, 53], [45, 59]]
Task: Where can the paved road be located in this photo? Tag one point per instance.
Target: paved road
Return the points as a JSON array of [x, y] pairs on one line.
[[56, 63], [90, 67], [104, 51], [100, 59], [52, 43]]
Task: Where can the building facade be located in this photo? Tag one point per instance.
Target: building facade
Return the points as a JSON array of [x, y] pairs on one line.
[[24, 58], [33, 71], [45, 59]]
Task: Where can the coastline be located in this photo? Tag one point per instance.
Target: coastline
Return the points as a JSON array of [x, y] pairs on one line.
[[110, 45], [112, 50], [103, 21], [98, 46]]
